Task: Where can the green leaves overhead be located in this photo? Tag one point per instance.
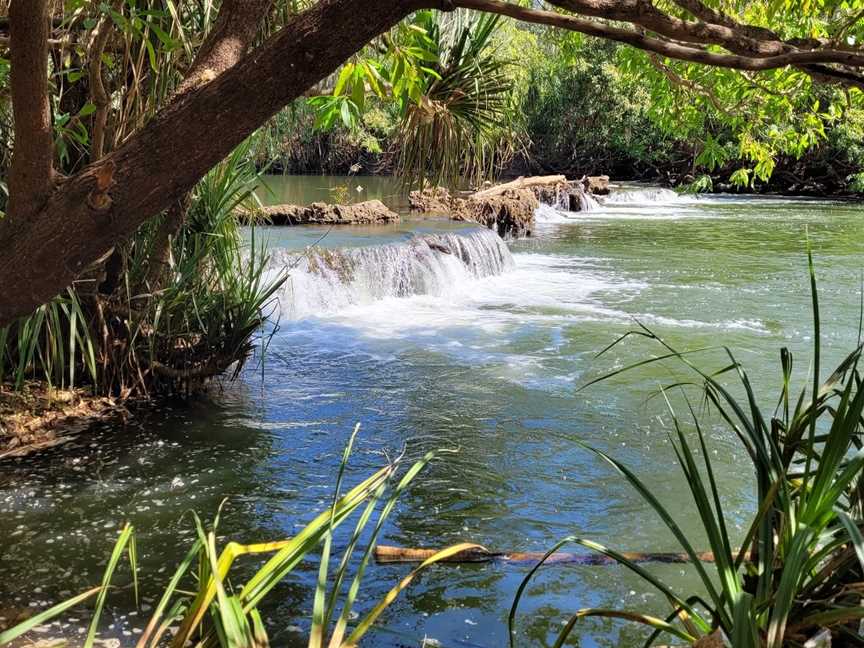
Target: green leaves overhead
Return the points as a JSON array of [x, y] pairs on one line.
[[447, 87]]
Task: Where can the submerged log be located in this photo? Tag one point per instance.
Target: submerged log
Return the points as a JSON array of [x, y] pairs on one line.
[[370, 212], [386, 554]]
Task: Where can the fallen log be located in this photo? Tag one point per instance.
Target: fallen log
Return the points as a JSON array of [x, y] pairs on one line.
[[387, 555], [521, 183]]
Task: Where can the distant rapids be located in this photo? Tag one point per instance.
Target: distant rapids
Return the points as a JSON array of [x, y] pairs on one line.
[[324, 281], [642, 196]]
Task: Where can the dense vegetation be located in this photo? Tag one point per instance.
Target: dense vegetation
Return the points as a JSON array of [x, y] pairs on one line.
[[564, 103]]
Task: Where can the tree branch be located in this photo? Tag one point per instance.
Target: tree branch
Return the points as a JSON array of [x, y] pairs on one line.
[[666, 47], [33, 156], [227, 42], [98, 94], [89, 213]]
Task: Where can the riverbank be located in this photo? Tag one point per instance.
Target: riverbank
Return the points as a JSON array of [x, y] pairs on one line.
[[39, 417]]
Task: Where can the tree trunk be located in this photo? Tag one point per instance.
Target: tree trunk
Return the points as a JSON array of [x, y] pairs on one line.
[[89, 213], [33, 156]]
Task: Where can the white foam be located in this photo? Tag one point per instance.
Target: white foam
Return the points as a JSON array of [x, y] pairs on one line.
[[548, 214], [322, 282], [648, 196]]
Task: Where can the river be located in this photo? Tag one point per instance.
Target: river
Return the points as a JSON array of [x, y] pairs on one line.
[[434, 334]]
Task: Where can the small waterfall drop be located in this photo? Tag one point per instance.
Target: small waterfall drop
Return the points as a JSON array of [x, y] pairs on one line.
[[587, 202], [561, 200], [649, 196], [327, 280]]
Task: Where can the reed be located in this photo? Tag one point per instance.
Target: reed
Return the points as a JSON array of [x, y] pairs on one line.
[[210, 606]]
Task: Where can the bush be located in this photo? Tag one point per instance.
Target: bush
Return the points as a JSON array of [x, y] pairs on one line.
[[583, 116]]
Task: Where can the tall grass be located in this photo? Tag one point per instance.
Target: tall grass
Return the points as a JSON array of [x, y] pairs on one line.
[[218, 293], [208, 605], [203, 317], [53, 344], [800, 564]]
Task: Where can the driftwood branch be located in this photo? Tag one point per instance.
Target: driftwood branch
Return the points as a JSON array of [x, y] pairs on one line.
[[521, 183], [385, 555]]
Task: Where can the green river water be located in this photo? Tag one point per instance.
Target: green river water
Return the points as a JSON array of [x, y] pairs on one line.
[[481, 351]]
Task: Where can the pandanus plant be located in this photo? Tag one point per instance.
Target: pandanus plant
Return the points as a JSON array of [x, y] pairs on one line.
[[798, 570]]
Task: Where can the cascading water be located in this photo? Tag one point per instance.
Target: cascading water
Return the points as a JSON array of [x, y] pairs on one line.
[[326, 280], [642, 196], [587, 202]]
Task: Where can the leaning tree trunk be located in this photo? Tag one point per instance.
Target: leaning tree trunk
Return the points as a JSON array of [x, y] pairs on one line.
[[60, 227]]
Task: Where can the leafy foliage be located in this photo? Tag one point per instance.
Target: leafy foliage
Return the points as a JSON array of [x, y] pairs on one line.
[[449, 90]]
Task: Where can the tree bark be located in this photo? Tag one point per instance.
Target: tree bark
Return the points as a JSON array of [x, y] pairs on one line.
[[228, 41], [33, 156], [90, 212]]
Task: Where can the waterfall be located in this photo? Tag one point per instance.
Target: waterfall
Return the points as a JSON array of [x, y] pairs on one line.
[[587, 202], [561, 200], [327, 280], [642, 196]]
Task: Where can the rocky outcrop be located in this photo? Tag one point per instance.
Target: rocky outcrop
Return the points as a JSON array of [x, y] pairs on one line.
[[597, 185], [431, 200], [370, 212], [509, 208], [510, 213]]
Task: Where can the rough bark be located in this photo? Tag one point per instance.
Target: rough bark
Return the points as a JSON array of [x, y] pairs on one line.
[[90, 212], [228, 41], [32, 159]]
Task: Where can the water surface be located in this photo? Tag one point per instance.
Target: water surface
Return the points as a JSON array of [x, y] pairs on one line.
[[435, 335]]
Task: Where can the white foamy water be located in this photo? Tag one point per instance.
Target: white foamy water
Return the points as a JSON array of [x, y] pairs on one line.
[[549, 214], [654, 202], [436, 287], [648, 196], [328, 281]]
